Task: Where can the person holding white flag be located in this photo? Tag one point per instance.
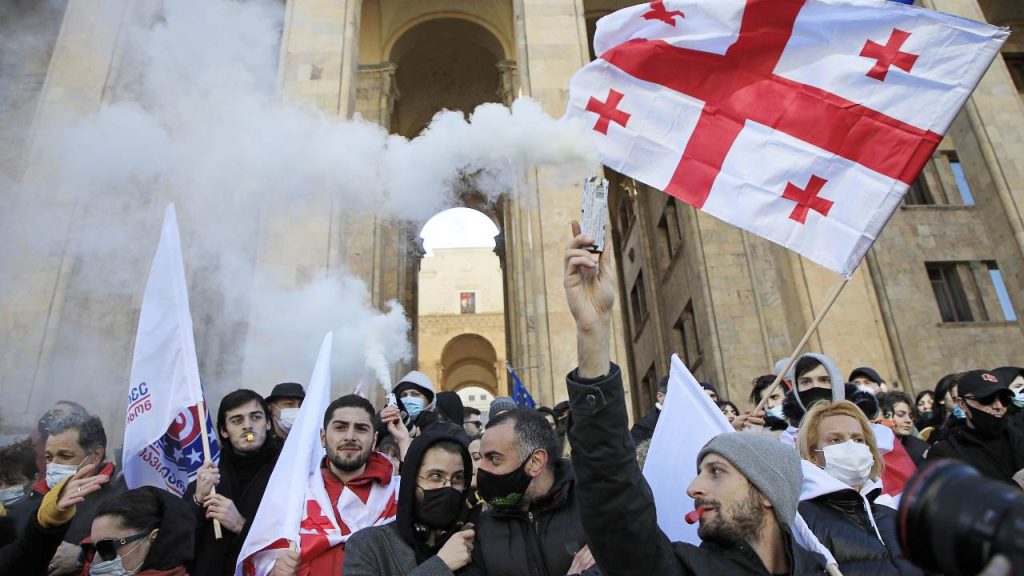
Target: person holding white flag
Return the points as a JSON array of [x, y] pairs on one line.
[[330, 483], [745, 493]]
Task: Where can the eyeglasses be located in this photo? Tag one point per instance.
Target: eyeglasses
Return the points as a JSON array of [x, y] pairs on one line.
[[438, 480], [107, 548]]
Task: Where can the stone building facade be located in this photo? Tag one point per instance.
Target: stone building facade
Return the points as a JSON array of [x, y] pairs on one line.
[[728, 302]]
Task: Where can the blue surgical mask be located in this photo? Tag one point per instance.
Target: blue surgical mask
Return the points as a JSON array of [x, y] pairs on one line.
[[413, 405], [11, 495], [958, 412], [1018, 398], [775, 411]]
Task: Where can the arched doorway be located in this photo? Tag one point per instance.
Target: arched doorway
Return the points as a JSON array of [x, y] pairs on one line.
[[461, 303]]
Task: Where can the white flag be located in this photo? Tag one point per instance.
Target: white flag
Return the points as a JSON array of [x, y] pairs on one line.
[[688, 421], [284, 502], [162, 435], [802, 121]]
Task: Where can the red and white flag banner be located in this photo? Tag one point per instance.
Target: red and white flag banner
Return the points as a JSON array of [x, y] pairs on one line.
[[802, 121]]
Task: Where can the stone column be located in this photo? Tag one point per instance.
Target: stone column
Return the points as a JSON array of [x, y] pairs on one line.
[[548, 53], [36, 286]]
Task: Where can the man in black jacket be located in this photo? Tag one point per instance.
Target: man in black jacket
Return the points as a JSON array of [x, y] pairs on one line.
[[644, 429], [747, 484], [533, 526], [247, 458], [986, 441]]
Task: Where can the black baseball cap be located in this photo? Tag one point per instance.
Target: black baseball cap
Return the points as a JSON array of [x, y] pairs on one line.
[[982, 384], [287, 390]]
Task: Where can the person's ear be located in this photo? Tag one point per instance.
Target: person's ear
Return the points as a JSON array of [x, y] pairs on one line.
[[323, 438], [99, 452], [223, 434], [153, 535], [537, 463]]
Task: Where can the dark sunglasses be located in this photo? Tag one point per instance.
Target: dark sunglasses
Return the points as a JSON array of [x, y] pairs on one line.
[[987, 400], [107, 548]]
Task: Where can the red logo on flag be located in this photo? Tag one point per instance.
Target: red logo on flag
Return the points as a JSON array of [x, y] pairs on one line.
[[888, 55], [659, 12], [608, 111]]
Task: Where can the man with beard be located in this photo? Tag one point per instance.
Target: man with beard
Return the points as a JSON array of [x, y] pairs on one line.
[[986, 440], [358, 482], [428, 537], [231, 491], [747, 487], [533, 523]]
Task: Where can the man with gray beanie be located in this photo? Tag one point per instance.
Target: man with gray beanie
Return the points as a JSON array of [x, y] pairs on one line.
[[746, 490]]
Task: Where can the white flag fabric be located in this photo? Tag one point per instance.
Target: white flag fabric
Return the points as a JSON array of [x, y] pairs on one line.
[[802, 121], [162, 435], [688, 421]]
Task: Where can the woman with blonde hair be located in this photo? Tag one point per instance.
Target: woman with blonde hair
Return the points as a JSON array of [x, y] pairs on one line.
[[839, 501]]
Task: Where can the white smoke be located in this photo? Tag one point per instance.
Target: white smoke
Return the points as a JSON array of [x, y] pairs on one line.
[[193, 116]]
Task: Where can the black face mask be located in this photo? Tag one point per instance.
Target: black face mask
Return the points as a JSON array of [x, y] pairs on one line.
[[812, 395], [987, 424], [441, 507], [503, 490]]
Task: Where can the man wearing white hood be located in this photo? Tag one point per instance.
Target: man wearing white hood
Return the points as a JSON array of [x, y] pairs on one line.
[[840, 499]]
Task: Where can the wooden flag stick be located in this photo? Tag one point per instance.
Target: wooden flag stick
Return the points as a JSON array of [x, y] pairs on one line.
[[832, 297], [208, 458]]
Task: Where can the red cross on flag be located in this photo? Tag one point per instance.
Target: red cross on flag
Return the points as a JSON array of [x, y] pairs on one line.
[[802, 121]]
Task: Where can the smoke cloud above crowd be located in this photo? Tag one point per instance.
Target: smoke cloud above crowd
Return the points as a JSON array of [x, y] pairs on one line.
[[192, 114]]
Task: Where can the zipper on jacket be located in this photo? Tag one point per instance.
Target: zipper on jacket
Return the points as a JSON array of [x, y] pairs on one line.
[[543, 568]]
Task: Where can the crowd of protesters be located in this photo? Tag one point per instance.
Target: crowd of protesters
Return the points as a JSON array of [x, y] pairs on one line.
[[518, 491]]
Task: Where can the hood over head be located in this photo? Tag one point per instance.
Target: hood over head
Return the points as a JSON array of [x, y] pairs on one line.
[[419, 381], [406, 519], [838, 382], [450, 406]]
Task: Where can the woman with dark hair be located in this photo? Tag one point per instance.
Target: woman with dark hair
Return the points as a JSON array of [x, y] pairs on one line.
[[729, 410], [948, 415], [924, 409], [145, 531]]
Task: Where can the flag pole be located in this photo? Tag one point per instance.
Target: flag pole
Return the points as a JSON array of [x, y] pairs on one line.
[[832, 297], [206, 455]]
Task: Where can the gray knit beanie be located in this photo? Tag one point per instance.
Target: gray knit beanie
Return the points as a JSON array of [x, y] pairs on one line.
[[771, 466], [500, 404]]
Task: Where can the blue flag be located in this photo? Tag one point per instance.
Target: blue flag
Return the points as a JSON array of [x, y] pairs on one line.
[[519, 392]]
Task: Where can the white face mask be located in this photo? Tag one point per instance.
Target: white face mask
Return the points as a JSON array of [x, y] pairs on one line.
[[57, 472], [11, 495], [287, 418], [775, 411], [849, 462]]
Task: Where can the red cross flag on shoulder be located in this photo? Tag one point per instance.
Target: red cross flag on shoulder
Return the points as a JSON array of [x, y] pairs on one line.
[[802, 121]]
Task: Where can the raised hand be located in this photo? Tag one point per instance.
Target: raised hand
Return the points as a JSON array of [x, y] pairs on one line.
[[458, 550], [79, 486], [590, 290], [392, 418]]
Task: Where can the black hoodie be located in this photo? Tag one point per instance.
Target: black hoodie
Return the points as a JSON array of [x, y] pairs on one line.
[[406, 520]]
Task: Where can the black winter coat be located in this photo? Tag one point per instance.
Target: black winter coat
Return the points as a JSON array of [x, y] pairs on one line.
[[218, 557], [539, 542], [81, 525], [30, 553], [617, 507], [998, 457], [841, 523], [644, 429]]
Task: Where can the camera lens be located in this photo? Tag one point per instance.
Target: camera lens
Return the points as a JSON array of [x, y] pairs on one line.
[[952, 520]]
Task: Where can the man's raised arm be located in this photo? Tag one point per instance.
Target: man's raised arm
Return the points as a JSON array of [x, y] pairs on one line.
[[616, 505]]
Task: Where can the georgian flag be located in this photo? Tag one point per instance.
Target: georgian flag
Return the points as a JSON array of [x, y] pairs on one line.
[[163, 441], [802, 121], [296, 508]]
